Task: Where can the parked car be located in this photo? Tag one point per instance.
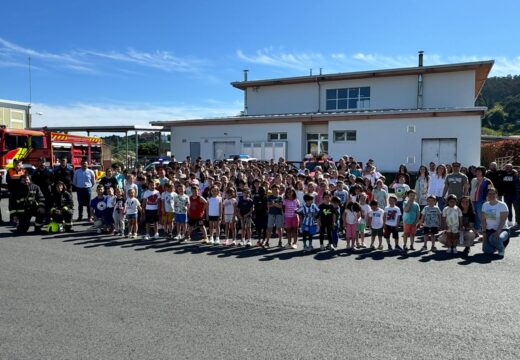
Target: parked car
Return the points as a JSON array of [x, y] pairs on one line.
[[241, 157]]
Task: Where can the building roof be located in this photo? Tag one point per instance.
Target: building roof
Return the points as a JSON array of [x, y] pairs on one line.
[[482, 69], [12, 102], [326, 116], [103, 128]]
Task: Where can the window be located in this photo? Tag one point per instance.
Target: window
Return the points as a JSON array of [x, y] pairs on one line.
[[348, 98], [277, 136], [13, 141], [345, 135]]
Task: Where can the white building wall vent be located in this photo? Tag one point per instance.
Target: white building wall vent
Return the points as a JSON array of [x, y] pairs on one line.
[[410, 159], [410, 128]]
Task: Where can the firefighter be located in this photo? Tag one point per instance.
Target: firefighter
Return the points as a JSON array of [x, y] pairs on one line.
[[29, 202], [13, 178], [62, 207], [43, 177], [64, 173]]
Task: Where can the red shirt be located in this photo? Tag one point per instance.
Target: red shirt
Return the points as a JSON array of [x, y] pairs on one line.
[[197, 208]]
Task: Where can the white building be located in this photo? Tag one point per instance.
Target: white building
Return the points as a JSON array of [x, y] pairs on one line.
[[406, 115]]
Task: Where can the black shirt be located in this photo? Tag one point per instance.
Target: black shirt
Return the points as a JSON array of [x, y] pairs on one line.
[[326, 214]]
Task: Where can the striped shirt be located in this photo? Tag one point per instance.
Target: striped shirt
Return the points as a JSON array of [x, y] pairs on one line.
[[309, 213]]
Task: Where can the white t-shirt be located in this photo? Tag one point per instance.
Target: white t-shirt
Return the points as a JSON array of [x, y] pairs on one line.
[[392, 215], [131, 205], [167, 199], [130, 186], [152, 199], [111, 201], [492, 214], [181, 203], [377, 218], [364, 215], [214, 206], [452, 215], [351, 217]]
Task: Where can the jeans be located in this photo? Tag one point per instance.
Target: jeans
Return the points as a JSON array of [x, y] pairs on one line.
[[84, 195], [494, 243], [477, 205], [440, 202], [509, 199]]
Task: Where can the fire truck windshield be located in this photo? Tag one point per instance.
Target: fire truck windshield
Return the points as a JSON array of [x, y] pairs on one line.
[[13, 142]]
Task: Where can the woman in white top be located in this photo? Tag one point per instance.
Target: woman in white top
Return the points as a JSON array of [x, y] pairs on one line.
[[436, 185], [493, 222]]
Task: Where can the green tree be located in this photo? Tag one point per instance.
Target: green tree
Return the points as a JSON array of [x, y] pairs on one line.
[[495, 117], [148, 149]]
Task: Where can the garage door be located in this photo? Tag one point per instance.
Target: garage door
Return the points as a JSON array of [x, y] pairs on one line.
[[223, 149], [440, 151]]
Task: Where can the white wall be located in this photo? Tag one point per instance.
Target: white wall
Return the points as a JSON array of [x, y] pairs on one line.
[[206, 135], [454, 89], [389, 144]]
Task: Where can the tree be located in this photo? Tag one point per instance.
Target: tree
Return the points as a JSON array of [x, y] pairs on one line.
[[148, 149], [495, 117]]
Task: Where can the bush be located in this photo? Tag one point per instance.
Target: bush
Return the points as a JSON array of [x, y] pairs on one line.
[[491, 151]]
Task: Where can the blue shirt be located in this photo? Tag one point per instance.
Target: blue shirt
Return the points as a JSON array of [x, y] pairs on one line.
[[309, 213], [410, 216], [100, 206], [84, 179]]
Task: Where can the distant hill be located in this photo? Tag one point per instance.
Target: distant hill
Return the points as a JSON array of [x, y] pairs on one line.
[[502, 97]]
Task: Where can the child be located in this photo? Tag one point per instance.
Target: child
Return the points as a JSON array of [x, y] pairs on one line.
[[260, 214], [326, 219], [308, 213], [130, 184], [431, 222], [365, 208], [350, 221], [246, 208], [230, 210], [376, 224], [196, 214], [400, 189], [290, 205], [336, 203], [391, 221], [411, 212], [151, 200], [119, 213], [133, 206], [215, 212], [275, 215], [167, 206], [98, 209], [452, 221], [109, 220], [380, 194], [181, 201]]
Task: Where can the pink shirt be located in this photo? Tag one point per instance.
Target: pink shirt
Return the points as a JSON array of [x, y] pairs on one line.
[[290, 207]]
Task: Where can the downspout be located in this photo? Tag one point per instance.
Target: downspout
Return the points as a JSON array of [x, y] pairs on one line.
[[420, 83], [245, 93]]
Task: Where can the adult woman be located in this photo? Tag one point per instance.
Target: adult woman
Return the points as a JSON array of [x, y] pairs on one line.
[[403, 170], [478, 192], [468, 222], [421, 186], [436, 185], [493, 220]]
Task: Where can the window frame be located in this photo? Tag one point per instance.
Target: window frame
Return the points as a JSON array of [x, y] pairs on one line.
[[280, 136], [345, 134], [362, 102]]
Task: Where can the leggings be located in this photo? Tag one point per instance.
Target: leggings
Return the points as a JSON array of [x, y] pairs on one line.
[[325, 228]]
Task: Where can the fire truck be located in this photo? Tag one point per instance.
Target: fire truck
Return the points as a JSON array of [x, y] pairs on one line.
[[30, 145]]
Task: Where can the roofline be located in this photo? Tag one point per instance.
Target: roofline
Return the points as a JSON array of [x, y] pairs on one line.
[[12, 102], [107, 128], [316, 118], [481, 67]]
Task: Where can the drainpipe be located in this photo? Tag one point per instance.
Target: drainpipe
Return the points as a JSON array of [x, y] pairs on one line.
[[245, 92], [420, 83]]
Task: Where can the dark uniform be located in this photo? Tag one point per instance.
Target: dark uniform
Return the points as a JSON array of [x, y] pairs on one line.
[[43, 177], [65, 175], [62, 209], [29, 202]]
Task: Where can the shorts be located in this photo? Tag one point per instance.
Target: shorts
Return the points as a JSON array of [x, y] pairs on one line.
[[291, 222], [195, 222], [351, 231], [152, 216], [311, 229], [168, 217], [181, 218], [275, 221], [376, 232], [409, 229], [391, 230], [361, 227], [247, 221], [131, 216], [229, 218], [430, 230], [214, 218]]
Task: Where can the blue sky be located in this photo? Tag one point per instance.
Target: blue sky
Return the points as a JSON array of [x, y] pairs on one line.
[[126, 61]]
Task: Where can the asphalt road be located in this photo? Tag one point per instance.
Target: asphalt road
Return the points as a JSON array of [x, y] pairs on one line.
[[90, 297]]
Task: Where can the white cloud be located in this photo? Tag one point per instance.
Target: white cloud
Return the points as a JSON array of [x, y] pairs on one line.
[[342, 62], [93, 61], [125, 114]]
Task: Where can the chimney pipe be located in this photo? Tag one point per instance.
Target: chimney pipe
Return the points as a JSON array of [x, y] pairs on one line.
[[245, 74], [321, 69], [310, 72], [420, 84], [245, 94], [421, 58]]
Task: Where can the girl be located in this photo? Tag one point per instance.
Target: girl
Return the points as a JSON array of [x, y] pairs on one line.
[[468, 223], [452, 221], [365, 209], [230, 211], [421, 186], [133, 207], [119, 213], [380, 195], [350, 222], [300, 191], [431, 222], [109, 221], [289, 205], [215, 211]]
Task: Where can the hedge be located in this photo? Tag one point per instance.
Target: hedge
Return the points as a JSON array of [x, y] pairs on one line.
[[491, 151]]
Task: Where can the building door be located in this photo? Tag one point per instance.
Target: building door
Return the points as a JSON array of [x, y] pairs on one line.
[[223, 149], [194, 150], [317, 143], [440, 151]]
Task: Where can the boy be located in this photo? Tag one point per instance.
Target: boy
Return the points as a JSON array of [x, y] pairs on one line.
[[411, 212], [245, 212], [336, 203], [196, 213], [400, 189], [431, 222], [181, 203], [275, 215], [452, 221], [391, 221], [167, 209], [151, 203], [308, 213], [133, 207], [326, 219], [376, 224], [98, 209]]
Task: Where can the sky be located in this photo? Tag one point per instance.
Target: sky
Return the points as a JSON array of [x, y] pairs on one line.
[[119, 62]]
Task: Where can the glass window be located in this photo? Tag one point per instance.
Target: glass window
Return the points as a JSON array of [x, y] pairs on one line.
[[324, 136], [352, 104], [342, 93], [348, 98], [276, 136], [364, 92], [343, 104], [312, 136], [339, 136], [283, 136], [331, 104], [331, 94], [351, 135], [353, 93], [37, 142]]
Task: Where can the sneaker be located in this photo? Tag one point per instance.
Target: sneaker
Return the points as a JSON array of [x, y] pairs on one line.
[[294, 246], [433, 249], [280, 244], [248, 243], [288, 246], [156, 236], [372, 247], [240, 243], [177, 237], [146, 237], [98, 231], [225, 242], [258, 244], [332, 248], [310, 247], [510, 224], [448, 251], [405, 249], [234, 243], [322, 247], [205, 241], [501, 253], [305, 248], [211, 241], [217, 241], [390, 248], [454, 250], [380, 247], [424, 248]]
